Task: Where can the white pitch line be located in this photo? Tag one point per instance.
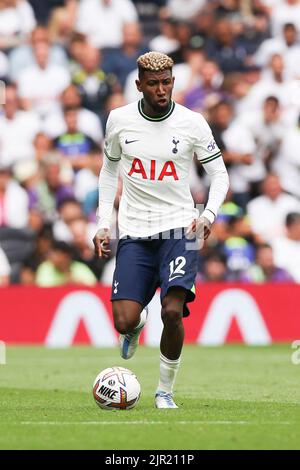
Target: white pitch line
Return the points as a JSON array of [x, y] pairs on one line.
[[134, 423]]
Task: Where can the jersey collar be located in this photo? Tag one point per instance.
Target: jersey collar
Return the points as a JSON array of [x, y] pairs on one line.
[[158, 119]]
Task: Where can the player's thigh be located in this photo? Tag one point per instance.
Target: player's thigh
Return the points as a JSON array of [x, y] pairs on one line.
[[135, 275], [178, 266]]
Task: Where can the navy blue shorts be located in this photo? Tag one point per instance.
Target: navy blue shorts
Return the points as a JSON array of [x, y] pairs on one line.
[[144, 264]]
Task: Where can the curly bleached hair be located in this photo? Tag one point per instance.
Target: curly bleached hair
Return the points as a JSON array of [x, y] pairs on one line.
[[154, 62]]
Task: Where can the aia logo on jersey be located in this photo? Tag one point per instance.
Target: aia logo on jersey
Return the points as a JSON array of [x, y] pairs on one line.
[[153, 173]]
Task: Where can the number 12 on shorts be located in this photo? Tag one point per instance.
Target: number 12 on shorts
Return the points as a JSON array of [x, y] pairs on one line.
[[176, 268]]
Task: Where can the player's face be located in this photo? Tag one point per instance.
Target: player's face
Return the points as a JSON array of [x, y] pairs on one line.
[[157, 89]]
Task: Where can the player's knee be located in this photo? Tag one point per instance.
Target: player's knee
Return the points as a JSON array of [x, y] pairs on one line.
[[123, 326], [125, 318], [171, 316]]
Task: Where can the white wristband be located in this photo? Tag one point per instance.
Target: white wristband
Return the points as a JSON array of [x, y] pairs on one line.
[[209, 215]]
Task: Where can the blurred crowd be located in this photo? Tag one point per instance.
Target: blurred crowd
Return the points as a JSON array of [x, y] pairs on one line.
[[65, 64]]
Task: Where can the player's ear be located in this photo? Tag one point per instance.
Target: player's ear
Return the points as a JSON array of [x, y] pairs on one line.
[[138, 85]]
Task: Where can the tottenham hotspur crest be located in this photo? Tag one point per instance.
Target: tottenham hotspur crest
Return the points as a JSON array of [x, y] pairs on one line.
[[175, 142], [116, 287]]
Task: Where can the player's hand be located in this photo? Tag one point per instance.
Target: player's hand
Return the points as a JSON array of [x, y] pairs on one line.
[[200, 228], [101, 243]]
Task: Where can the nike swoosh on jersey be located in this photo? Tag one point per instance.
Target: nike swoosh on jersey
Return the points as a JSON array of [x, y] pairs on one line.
[[130, 141]]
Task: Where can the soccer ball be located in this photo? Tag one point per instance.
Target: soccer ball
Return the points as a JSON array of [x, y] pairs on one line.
[[116, 388]]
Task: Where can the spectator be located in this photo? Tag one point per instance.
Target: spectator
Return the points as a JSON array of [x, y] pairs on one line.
[[208, 93], [267, 128], [4, 269], [73, 144], [23, 56], [204, 21], [189, 72], [41, 84], [16, 22], [166, 41], [239, 246], [287, 248], [14, 122], [236, 87], [214, 268], [102, 21], [258, 134], [68, 210], [287, 11], [184, 31], [60, 269], [61, 23], [287, 164], [50, 192], [267, 213], [264, 269], [221, 229], [287, 46], [94, 85], [14, 202], [224, 48], [39, 254], [88, 122], [148, 12], [76, 50], [17, 243], [42, 146], [86, 179], [121, 61], [272, 82]]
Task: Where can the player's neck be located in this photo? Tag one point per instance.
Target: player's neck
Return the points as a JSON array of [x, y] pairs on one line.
[[149, 111]]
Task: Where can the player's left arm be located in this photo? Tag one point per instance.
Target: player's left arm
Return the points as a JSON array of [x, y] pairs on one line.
[[211, 158], [219, 184]]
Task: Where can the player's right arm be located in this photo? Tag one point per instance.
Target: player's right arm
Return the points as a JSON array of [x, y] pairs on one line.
[[108, 184]]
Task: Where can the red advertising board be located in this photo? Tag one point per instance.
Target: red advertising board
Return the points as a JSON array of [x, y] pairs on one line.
[[60, 317]]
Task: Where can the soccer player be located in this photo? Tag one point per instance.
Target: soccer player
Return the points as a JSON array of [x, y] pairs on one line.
[[153, 141]]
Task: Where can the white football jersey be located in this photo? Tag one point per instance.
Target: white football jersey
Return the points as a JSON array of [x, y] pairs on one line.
[[155, 156]]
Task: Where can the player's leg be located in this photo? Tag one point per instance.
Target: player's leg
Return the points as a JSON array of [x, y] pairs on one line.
[[171, 315], [170, 345], [132, 277], [178, 268], [129, 320]]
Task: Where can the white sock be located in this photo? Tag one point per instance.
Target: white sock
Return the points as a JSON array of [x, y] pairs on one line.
[[143, 319], [168, 372]]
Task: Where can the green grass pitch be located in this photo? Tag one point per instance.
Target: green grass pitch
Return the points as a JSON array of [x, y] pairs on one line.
[[231, 397]]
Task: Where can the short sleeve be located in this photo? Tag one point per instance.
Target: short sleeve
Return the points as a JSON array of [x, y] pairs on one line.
[[112, 148], [205, 146]]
